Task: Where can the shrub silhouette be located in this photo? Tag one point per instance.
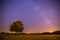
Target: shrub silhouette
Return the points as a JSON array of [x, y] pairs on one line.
[[46, 33]]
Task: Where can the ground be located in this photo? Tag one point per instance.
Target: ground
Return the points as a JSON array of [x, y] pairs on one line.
[[29, 37]]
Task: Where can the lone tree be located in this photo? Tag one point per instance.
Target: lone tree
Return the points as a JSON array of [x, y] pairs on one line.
[[16, 27]]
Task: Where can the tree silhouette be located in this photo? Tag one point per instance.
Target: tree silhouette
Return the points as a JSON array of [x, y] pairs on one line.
[[56, 32], [16, 27]]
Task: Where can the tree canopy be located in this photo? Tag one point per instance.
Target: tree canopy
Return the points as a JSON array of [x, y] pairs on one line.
[[16, 27]]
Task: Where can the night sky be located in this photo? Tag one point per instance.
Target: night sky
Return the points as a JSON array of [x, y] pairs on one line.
[[36, 15]]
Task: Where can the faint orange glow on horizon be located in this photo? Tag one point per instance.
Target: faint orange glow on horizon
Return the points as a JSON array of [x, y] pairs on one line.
[[50, 31]]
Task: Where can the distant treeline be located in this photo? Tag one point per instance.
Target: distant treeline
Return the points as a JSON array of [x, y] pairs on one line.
[[47, 33]]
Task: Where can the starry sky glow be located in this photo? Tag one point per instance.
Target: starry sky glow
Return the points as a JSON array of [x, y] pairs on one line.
[[36, 15]]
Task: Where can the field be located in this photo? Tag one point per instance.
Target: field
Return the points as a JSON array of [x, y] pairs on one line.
[[28, 37]]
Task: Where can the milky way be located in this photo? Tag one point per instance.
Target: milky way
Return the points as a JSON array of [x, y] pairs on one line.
[[36, 15]]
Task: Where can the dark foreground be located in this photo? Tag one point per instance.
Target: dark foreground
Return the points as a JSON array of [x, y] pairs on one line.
[[29, 37]]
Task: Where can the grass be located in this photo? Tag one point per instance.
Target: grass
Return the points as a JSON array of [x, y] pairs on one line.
[[29, 37]]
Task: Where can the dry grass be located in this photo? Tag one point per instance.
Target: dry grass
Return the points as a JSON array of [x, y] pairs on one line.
[[28, 37]]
